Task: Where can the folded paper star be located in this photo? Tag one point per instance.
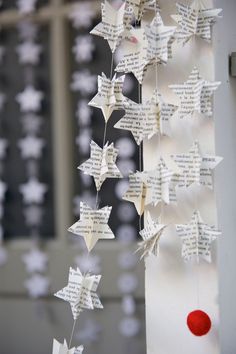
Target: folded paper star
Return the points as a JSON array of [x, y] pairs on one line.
[[140, 6], [83, 49], [59, 348], [101, 164], [195, 167], [37, 286], [82, 15], [195, 20], [151, 235], [81, 292], [109, 97], [195, 95], [30, 99], [137, 191], [35, 261], [31, 147], [93, 225], [197, 238], [26, 6], [33, 191], [29, 52]]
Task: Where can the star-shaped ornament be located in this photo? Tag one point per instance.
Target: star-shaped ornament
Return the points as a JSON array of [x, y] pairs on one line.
[[84, 82], [33, 191], [31, 147], [137, 191], [30, 100], [29, 53], [35, 261], [93, 225], [195, 95], [195, 20], [82, 15], [3, 148], [141, 6], [195, 167], [101, 164], [197, 238], [26, 6], [81, 292], [62, 348], [83, 49], [37, 286], [109, 97]]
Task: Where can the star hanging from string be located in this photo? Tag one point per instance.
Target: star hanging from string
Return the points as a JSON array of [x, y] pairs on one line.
[[82, 15], [33, 191], [3, 148], [109, 97], [151, 235], [29, 53], [141, 6], [83, 49], [26, 6], [30, 99], [81, 292], [84, 82], [197, 238], [195, 167], [137, 191], [101, 164], [62, 348], [31, 147], [93, 225], [35, 261], [195, 20], [195, 95], [37, 286]]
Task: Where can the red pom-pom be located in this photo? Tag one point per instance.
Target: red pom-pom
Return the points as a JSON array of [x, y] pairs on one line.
[[199, 323]]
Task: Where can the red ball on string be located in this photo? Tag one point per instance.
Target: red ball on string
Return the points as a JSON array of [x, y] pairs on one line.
[[199, 323]]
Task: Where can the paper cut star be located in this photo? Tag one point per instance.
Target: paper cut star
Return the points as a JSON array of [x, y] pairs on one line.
[[197, 238], [137, 191], [26, 6], [195, 20], [101, 164], [93, 225], [82, 15], [141, 6], [81, 292], [29, 52], [83, 49], [195, 95], [31, 147], [109, 97], [3, 189], [159, 37], [84, 82], [151, 235], [89, 263], [3, 256], [3, 148], [195, 167], [33, 215], [35, 261], [31, 123], [33, 191], [30, 99], [59, 348], [37, 285]]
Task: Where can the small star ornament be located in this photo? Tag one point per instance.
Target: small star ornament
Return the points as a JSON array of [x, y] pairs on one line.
[[33, 191], [83, 49], [35, 261], [31, 147], [25, 7], [29, 53], [30, 100], [137, 191], [93, 225], [37, 286], [33, 215], [62, 348], [197, 238], [82, 15], [81, 292], [84, 82], [141, 6]]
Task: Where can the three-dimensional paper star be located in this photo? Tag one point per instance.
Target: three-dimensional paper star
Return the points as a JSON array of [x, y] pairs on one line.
[[151, 235], [83, 49], [93, 225], [195, 95], [195, 20], [197, 238], [140, 6], [29, 52], [31, 147], [30, 99], [35, 261], [3, 189], [137, 191], [62, 348], [81, 292], [101, 164], [109, 97], [37, 285], [3, 148], [33, 191], [195, 167], [84, 82], [82, 15], [26, 6]]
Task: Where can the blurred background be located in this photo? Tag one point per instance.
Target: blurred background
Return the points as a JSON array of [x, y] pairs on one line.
[[48, 74]]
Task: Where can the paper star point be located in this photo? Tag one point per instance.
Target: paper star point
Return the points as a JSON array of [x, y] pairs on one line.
[[62, 348], [137, 191], [141, 6]]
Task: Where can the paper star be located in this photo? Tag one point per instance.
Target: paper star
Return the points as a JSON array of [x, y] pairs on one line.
[[29, 52], [83, 49], [30, 99], [151, 235], [195, 20], [3, 189], [86, 197], [137, 191], [81, 292], [33, 191], [26, 6], [31, 147], [89, 263], [159, 37], [197, 238], [195, 167], [33, 215], [82, 15], [195, 95], [109, 97], [83, 82], [3, 256], [59, 348], [37, 285], [93, 225], [3, 148], [35, 261], [141, 6], [31, 123], [101, 164]]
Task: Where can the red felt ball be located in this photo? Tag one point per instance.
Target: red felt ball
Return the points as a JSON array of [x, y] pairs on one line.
[[199, 323]]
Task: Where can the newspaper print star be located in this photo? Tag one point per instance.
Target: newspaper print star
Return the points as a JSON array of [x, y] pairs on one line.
[[109, 97], [62, 348], [82, 15], [101, 164], [31, 147], [137, 191], [195, 95], [37, 286], [33, 191], [81, 292], [29, 53], [26, 6], [141, 6], [30, 100], [197, 238], [35, 261], [83, 49], [84, 82], [93, 225]]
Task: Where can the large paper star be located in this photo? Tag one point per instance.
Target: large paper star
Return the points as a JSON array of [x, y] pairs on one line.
[[31, 147], [93, 225], [81, 292], [195, 167], [33, 191], [197, 238], [151, 235], [37, 285], [109, 97], [101, 164], [140, 6], [195, 20], [29, 52], [195, 95], [26, 6], [137, 191], [35, 261], [62, 348], [30, 99]]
